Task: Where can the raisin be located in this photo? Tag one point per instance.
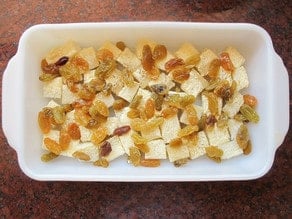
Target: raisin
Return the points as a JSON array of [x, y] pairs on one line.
[[149, 108], [187, 131], [250, 100], [59, 115], [153, 123], [119, 104], [159, 52], [192, 139], [160, 89], [74, 131], [121, 45], [98, 135], [48, 157], [147, 59], [213, 69], [122, 130], [173, 63], [150, 162], [210, 120], [105, 149], [226, 62], [44, 122], [104, 54], [81, 116], [248, 148], [62, 61], [99, 108], [138, 124], [176, 142], [249, 113], [52, 146], [193, 60], [136, 101], [133, 113], [212, 102], [44, 77], [223, 90], [180, 162], [180, 74], [86, 94], [135, 156], [143, 147], [102, 162], [154, 73], [214, 153], [138, 139], [50, 69], [81, 155], [191, 114], [128, 78], [242, 137], [64, 139], [105, 69], [169, 112], [158, 99]]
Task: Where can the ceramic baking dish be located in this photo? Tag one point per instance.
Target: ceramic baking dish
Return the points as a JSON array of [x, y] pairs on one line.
[[22, 98]]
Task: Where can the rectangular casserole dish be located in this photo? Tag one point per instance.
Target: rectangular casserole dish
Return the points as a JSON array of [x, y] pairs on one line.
[[22, 98]]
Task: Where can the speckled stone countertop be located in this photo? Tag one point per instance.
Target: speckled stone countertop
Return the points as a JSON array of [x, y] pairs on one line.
[[21, 196]]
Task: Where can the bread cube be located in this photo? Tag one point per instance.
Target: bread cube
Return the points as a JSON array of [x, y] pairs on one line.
[[141, 76], [234, 126], [163, 79], [85, 134], [152, 134], [128, 93], [117, 148], [89, 54], [225, 75], [170, 128], [111, 47], [157, 150], [199, 149], [184, 118], [161, 63], [107, 99], [217, 136], [68, 49], [112, 123], [88, 76], [89, 149], [67, 95], [207, 56], [127, 141], [205, 104], [123, 119], [70, 118], [146, 94], [129, 60], [195, 84], [230, 149], [186, 50], [236, 58], [52, 104], [241, 78], [116, 79], [53, 88], [231, 108], [177, 153], [140, 45]]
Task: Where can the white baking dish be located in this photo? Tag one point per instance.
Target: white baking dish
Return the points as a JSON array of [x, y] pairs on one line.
[[22, 98]]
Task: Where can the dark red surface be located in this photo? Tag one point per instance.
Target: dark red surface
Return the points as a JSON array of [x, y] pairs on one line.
[[23, 197]]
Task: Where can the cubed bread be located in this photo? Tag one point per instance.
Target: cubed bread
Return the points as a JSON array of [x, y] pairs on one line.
[[186, 50], [157, 150], [206, 57], [218, 136], [127, 141], [177, 153], [117, 148], [128, 93], [116, 79], [53, 88], [195, 84], [111, 47], [89, 55], [231, 108], [170, 128], [129, 60], [67, 95], [241, 78], [236, 58], [230, 149], [199, 149]]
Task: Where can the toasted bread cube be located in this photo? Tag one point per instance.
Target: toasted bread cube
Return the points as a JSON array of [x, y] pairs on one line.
[[230, 149], [157, 150], [117, 148], [205, 104], [199, 149], [236, 58], [129, 60], [128, 93], [53, 88], [141, 76], [207, 56], [186, 50], [218, 136], [111, 47], [88, 76], [184, 118], [231, 108], [89, 149], [111, 124], [107, 99], [146, 94], [152, 134], [127, 141], [70, 118], [116, 80], [67, 95], [53, 134], [177, 153], [225, 75], [52, 104], [85, 134], [170, 128], [68, 49], [140, 45], [163, 79], [195, 84], [241, 78], [161, 63], [89, 54], [122, 116], [234, 126]]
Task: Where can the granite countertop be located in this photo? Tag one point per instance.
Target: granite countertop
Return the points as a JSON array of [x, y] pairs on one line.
[[21, 196]]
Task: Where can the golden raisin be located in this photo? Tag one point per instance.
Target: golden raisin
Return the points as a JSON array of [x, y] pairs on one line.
[[133, 113], [192, 139], [98, 135], [121, 45], [119, 104], [138, 139], [180, 74], [135, 156], [193, 60], [81, 155], [136, 101], [242, 136], [143, 147], [191, 114], [48, 157], [128, 78], [104, 54], [214, 153], [153, 123], [180, 162], [223, 90], [74, 131], [52, 146], [59, 115], [150, 162], [99, 108], [149, 108], [159, 52], [85, 93], [248, 148], [64, 139], [213, 69], [102, 162], [189, 129], [81, 116], [143, 114], [250, 100], [147, 59], [154, 73], [226, 62], [173, 63], [176, 142], [169, 112], [44, 122], [212, 102], [138, 124], [50, 69]]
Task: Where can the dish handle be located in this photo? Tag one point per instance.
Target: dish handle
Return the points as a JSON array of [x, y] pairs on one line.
[[281, 100], [10, 107]]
